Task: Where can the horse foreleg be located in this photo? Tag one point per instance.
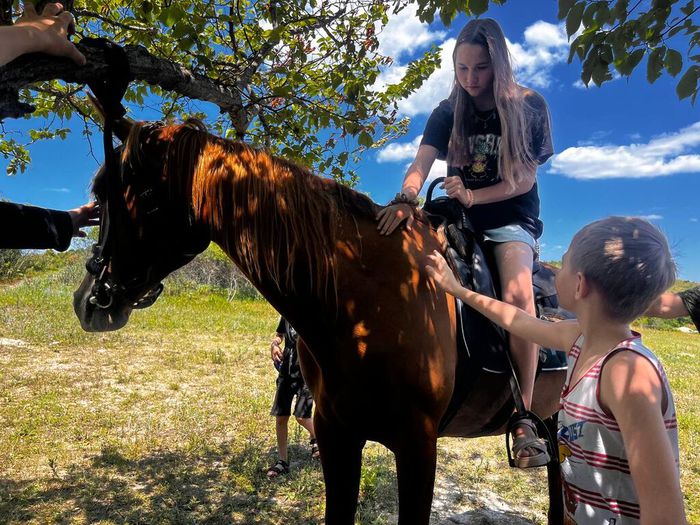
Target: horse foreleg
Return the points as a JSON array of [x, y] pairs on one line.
[[341, 459], [415, 469]]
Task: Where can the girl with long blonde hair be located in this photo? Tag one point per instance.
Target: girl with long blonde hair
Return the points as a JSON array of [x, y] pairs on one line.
[[493, 133]]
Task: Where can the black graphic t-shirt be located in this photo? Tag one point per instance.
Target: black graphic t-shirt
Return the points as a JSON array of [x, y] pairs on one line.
[[482, 170]]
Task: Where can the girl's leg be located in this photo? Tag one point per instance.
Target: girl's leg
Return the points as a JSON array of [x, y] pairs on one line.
[[514, 260]]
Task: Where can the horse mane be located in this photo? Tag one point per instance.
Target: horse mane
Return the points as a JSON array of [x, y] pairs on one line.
[[273, 216]]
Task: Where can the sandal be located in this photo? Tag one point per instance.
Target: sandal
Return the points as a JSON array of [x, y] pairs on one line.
[[528, 440], [278, 469], [315, 452]]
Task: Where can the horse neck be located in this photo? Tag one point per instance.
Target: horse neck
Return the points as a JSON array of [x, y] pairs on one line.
[[274, 221]]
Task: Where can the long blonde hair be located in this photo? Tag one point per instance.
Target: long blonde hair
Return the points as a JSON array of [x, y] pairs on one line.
[[513, 109]]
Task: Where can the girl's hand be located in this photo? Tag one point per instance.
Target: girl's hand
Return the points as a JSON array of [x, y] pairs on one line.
[[455, 190], [49, 31], [391, 216], [441, 273]]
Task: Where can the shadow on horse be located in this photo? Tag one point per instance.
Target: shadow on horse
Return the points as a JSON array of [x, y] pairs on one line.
[[378, 345]]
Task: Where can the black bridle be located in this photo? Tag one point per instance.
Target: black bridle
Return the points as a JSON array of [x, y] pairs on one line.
[[101, 264], [109, 93]]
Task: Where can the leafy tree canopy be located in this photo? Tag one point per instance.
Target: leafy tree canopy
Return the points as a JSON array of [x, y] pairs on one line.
[[300, 77]]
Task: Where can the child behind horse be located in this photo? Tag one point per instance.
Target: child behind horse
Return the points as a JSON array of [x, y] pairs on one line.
[[290, 383]]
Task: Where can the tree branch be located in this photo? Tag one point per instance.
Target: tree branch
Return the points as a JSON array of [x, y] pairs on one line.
[[30, 69]]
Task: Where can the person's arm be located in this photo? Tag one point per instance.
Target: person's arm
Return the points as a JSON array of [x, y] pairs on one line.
[[276, 349], [667, 306], [390, 217], [33, 228], [33, 33], [498, 192], [558, 335], [630, 388]]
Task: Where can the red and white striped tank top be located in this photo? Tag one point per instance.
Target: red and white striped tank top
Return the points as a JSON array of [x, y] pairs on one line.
[[597, 485]]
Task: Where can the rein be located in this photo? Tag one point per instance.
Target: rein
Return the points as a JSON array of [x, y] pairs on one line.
[[109, 93]]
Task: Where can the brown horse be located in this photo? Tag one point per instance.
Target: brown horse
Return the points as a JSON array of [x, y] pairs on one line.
[[378, 345]]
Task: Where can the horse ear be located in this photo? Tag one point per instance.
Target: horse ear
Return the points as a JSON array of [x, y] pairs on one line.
[[121, 127]]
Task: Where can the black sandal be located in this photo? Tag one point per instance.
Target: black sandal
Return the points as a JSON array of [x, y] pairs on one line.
[[315, 452], [278, 469], [524, 442]]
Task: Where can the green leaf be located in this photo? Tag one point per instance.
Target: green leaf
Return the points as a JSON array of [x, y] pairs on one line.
[[655, 63], [564, 8], [602, 14], [688, 84], [573, 19], [673, 62], [619, 11], [365, 139], [478, 7], [688, 8], [630, 62]]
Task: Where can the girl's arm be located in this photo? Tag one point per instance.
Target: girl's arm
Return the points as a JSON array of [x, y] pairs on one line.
[[632, 391], [391, 216], [496, 193], [559, 335]]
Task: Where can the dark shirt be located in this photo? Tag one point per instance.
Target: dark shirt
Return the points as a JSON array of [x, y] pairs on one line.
[[691, 300], [29, 227], [482, 171], [290, 359]]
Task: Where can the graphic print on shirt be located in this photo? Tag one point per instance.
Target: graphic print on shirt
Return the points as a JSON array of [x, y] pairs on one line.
[[483, 166]]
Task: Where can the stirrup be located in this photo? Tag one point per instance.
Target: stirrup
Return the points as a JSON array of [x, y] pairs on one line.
[[544, 440]]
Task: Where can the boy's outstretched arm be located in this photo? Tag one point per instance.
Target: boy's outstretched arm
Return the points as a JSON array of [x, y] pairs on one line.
[[559, 335], [632, 391]]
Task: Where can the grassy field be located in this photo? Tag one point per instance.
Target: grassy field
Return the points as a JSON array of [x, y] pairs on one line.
[[166, 421]]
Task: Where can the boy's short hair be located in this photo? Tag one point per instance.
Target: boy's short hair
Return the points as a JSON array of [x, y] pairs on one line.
[[627, 260]]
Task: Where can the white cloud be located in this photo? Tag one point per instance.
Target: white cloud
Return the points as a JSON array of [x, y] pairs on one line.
[[403, 151], [693, 219], [651, 217], [544, 46], [57, 190], [404, 33], [663, 155], [398, 152]]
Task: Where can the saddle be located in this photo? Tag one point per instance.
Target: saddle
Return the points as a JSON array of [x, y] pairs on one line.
[[482, 346]]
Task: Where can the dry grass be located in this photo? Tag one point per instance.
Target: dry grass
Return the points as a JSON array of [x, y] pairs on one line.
[[167, 421]]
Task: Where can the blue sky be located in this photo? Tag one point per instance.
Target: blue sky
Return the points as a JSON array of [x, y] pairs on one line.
[[628, 148]]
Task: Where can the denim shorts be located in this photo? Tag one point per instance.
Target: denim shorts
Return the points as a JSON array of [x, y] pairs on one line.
[[511, 233]]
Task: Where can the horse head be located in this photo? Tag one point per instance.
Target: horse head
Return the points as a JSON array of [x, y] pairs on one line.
[[147, 227]]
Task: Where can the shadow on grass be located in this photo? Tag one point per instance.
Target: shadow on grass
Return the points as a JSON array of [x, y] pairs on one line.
[[214, 486]]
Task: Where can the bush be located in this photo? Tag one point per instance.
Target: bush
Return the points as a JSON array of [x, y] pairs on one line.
[[214, 270], [210, 270]]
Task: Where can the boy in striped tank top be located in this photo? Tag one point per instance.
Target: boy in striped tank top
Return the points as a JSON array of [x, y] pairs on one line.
[[618, 437]]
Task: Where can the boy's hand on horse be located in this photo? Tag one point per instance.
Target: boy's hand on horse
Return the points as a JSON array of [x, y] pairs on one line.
[[442, 274], [393, 215]]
